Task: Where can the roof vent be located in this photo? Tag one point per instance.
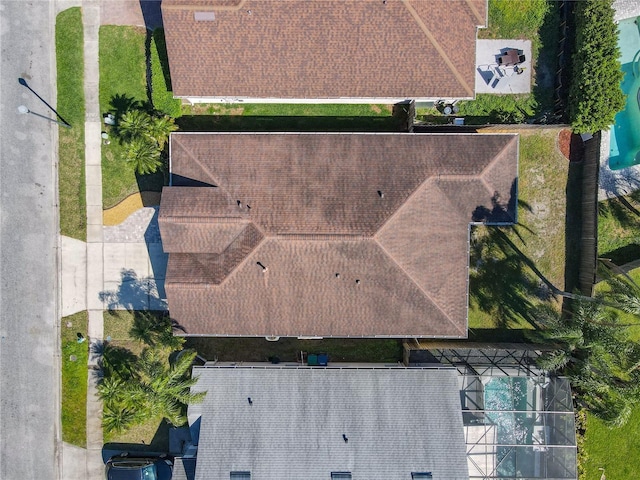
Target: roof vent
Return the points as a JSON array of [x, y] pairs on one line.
[[249, 400], [344, 437], [264, 269], [358, 281], [204, 16], [380, 194], [240, 475], [337, 275]]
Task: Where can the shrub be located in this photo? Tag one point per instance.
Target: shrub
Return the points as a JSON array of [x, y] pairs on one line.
[[161, 94], [595, 95]]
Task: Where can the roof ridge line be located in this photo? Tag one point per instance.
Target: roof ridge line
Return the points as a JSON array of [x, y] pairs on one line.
[[216, 184], [205, 8], [204, 219], [437, 46], [498, 156], [475, 12], [320, 236], [424, 292], [245, 259]]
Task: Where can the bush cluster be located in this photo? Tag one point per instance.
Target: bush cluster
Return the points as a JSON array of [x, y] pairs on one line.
[[595, 95], [161, 94]]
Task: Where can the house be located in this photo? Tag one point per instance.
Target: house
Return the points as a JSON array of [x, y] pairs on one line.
[[329, 234], [291, 423], [458, 411], [322, 51]]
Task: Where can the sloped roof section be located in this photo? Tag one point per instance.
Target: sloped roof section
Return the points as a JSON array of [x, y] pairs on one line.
[[330, 234], [396, 421], [320, 49]]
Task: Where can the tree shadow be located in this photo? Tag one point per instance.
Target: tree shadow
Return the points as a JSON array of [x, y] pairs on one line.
[[547, 66], [159, 445], [573, 226], [134, 293], [498, 281], [239, 123]]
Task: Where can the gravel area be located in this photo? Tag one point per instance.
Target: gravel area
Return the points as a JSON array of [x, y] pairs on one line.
[[140, 227]]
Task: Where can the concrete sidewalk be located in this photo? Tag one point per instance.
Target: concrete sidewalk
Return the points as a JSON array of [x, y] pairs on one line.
[[117, 267]]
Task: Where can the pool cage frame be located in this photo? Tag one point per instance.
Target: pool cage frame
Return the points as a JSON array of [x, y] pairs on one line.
[[527, 431]]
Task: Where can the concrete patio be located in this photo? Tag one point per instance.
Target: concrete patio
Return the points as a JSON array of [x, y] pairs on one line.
[[494, 78]]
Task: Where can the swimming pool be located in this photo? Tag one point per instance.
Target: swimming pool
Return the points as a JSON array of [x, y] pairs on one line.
[[625, 133]]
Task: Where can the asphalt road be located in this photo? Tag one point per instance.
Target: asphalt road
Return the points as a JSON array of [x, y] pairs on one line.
[[28, 245]]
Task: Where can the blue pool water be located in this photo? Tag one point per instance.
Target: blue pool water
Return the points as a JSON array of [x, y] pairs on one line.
[[625, 133]]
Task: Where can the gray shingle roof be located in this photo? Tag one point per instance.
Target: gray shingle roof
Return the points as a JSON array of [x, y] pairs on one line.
[[397, 421]]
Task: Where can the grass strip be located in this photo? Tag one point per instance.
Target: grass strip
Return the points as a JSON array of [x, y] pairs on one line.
[[71, 106], [74, 378]]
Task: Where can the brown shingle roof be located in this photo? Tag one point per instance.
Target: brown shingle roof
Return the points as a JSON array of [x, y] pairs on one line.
[[315, 211], [322, 48]]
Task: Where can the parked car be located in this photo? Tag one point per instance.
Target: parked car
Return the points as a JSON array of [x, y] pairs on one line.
[[141, 468]]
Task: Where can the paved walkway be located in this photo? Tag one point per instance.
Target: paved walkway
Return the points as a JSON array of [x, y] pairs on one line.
[[117, 267]]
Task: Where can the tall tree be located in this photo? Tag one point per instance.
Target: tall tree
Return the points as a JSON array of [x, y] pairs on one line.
[[592, 349]]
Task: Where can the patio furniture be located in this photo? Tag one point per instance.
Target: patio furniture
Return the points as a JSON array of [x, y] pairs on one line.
[[510, 57]]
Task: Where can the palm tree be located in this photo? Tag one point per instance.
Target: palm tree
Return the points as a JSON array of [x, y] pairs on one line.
[[167, 388], [118, 420], [151, 330], [160, 129], [144, 154], [591, 348], [156, 387], [134, 124], [624, 293]]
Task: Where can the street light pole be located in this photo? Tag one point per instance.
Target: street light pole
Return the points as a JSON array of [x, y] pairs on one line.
[[24, 83], [24, 110]]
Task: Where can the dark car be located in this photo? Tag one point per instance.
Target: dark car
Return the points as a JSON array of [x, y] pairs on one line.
[[130, 468]]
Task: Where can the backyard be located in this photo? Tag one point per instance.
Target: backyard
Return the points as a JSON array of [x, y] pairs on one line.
[[502, 287]]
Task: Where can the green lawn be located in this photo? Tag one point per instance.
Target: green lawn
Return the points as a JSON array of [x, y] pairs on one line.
[[502, 287], [122, 82], [515, 19], [74, 379], [535, 20], [619, 229], [617, 450], [70, 78]]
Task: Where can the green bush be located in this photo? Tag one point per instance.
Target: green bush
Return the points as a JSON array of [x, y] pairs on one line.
[[595, 95], [161, 94]]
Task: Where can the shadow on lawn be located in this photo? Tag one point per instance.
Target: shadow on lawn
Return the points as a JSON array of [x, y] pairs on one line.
[[288, 349], [498, 282], [239, 123], [159, 444]]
